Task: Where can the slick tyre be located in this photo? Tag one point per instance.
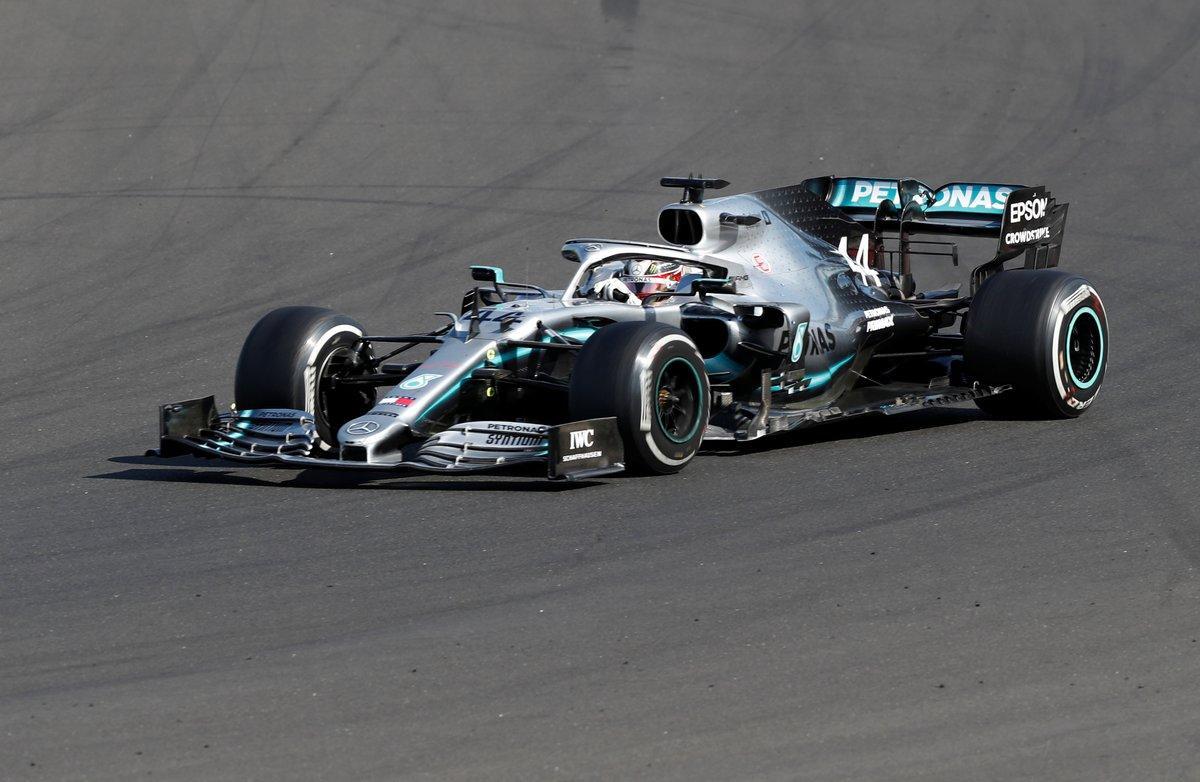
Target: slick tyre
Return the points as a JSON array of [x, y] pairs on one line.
[[650, 377], [1044, 332], [289, 360]]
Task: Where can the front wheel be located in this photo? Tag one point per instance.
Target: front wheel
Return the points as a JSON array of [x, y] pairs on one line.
[[291, 359], [651, 378], [1045, 333]]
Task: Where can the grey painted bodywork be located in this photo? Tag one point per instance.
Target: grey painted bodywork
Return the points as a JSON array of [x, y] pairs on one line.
[[770, 263]]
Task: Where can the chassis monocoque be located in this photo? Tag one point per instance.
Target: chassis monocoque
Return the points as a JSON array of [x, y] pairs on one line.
[[801, 308]]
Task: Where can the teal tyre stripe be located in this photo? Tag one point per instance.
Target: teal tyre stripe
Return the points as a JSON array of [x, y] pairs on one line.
[[1099, 361], [699, 390]]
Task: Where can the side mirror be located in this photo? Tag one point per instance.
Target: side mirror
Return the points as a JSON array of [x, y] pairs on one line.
[[487, 274], [707, 285], [732, 219]]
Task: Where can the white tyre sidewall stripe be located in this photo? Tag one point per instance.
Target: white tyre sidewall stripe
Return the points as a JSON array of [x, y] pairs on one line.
[[310, 366]]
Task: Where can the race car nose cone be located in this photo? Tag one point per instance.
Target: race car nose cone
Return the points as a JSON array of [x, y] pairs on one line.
[[374, 437]]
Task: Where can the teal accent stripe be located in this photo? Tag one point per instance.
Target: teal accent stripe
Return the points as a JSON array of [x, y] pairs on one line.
[[721, 364], [451, 391], [818, 379], [575, 332], [580, 333]]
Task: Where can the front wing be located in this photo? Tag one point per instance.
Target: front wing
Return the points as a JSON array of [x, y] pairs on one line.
[[288, 438]]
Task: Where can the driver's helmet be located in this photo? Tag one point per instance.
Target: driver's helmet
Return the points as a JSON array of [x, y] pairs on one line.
[[647, 277]]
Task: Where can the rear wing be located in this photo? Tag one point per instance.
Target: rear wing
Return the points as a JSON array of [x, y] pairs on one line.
[[1023, 219]]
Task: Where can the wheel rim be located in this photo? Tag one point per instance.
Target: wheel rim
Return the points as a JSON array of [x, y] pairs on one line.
[[1085, 348], [338, 404], [677, 400]]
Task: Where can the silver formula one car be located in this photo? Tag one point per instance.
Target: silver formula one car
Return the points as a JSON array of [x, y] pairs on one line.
[[763, 313]]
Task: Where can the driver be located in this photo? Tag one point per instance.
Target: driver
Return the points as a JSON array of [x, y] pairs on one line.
[[638, 279]]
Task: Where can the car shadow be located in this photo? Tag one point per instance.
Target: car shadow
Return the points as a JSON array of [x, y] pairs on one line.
[[520, 478], [186, 469]]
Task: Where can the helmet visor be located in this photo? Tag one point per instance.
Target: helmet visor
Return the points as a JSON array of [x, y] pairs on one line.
[[648, 277]]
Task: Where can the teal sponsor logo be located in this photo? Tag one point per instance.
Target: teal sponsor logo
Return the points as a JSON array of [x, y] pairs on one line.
[[971, 198], [418, 381], [798, 342], [863, 193], [962, 197]]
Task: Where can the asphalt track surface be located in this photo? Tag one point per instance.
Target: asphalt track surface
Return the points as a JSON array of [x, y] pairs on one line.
[[944, 596]]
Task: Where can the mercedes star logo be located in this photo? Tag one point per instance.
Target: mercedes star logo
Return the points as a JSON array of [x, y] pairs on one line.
[[362, 427]]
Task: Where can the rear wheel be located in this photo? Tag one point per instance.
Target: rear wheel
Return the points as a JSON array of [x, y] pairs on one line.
[[1044, 332], [650, 377], [291, 358]]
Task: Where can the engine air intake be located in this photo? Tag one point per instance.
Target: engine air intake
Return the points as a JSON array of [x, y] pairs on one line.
[[680, 226]]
